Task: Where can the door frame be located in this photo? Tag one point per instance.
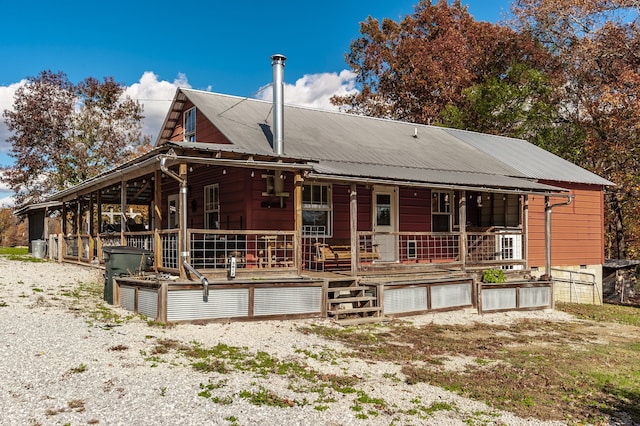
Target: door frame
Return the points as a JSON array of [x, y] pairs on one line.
[[391, 252]]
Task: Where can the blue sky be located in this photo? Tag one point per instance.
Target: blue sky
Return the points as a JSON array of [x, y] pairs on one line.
[[154, 47]]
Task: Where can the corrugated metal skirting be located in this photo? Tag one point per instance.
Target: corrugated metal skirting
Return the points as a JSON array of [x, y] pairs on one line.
[[409, 299], [188, 305], [498, 298], [535, 297], [288, 300], [450, 295], [128, 298], [148, 302]]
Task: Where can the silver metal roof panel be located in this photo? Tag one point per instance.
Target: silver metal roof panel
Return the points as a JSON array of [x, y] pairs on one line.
[[380, 145]]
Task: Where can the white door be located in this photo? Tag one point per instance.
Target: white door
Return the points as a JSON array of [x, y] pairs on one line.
[[385, 222]]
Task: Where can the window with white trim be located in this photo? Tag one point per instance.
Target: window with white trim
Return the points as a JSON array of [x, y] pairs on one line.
[[212, 206], [190, 125], [441, 211], [316, 209]]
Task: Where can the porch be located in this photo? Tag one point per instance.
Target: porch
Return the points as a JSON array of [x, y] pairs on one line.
[[254, 253], [254, 275]]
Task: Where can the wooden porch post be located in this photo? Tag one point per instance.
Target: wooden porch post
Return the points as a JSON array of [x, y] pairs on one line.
[[462, 243], [157, 219], [298, 181], [99, 207], [91, 222], [123, 209], [63, 225], [353, 216], [79, 227]]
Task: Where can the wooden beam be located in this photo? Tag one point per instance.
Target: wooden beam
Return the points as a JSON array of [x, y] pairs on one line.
[[462, 219], [298, 181], [353, 220]]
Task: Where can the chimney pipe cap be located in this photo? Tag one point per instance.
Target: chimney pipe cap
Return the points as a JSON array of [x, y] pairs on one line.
[[278, 58]]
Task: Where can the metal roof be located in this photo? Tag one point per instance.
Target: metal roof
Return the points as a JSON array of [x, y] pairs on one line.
[[352, 145], [534, 162]]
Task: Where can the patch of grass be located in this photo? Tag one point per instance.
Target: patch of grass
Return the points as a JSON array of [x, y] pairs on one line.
[[79, 369], [264, 396], [233, 420], [574, 371], [19, 253], [16, 251], [603, 313]]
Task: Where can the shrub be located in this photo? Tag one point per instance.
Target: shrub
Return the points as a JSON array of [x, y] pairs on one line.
[[494, 276]]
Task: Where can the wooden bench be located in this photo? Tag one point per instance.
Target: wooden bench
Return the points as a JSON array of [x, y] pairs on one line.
[[340, 254]]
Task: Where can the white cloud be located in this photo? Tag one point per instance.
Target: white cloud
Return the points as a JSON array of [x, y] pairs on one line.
[[315, 90], [6, 199], [156, 96], [6, 102]]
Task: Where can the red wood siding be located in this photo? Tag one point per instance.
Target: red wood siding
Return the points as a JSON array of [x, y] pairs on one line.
[[205, 131], [577, 230], [415, 210], [342, 213], [265, 212]]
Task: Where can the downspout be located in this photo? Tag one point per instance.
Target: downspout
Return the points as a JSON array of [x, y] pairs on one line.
[[547, 229], [184, 254]]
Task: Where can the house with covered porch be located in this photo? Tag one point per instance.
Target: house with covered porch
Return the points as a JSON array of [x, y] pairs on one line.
[[253, 209]]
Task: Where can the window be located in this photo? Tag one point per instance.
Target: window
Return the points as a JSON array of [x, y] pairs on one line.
[[383, 209], [190, 125], [316, 209], [441, 211], [212, 206]]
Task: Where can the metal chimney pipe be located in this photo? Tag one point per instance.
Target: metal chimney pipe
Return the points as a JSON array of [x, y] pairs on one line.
[[277, 64]]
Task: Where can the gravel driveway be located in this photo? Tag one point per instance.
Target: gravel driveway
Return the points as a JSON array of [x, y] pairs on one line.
[[66, 359]]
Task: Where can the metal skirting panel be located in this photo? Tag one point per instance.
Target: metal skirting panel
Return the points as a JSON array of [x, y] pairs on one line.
[[187, 305], [408, 299], [498, 298], [534, 297], [148, 302], [128, 298], [287, 300], [451, 295]]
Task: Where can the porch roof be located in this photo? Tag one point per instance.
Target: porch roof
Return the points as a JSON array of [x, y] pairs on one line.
[[352, 145], [431, 178]]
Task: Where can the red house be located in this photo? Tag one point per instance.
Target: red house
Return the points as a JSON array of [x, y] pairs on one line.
[[257, 209]]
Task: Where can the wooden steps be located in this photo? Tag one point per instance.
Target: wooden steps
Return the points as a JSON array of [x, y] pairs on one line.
[[350, 303]]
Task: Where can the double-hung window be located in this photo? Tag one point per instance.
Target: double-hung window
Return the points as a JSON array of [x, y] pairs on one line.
[[190, 125], [441, 210], [212, 206], [316, 209]]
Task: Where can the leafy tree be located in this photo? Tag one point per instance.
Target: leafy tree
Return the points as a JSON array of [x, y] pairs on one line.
[[13, 232], [413, 69], [596, 43], [63, 133]]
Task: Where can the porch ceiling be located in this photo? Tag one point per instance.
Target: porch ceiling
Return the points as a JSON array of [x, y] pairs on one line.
[[138, 192]]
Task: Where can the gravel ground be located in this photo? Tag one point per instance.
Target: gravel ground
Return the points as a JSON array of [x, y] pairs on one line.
[[59, 365]]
